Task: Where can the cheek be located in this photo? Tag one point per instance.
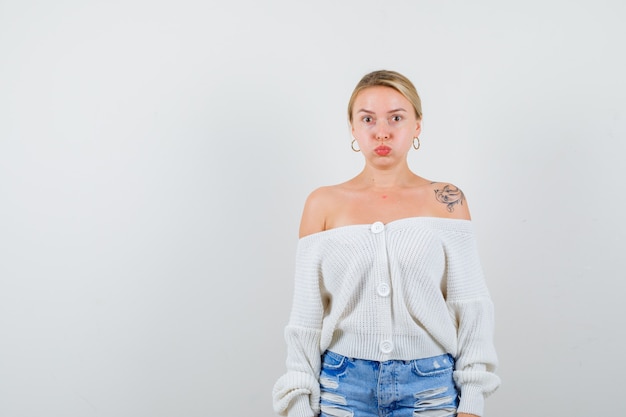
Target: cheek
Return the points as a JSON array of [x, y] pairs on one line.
[[360, 130]]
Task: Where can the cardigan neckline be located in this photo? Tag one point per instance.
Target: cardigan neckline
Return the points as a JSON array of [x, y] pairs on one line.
[[449, 224]]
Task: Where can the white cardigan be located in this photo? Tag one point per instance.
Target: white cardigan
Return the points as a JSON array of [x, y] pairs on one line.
[[410, 289]]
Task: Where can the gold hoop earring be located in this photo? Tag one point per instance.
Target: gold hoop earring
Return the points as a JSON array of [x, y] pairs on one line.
[[418, 143], [352, 146]]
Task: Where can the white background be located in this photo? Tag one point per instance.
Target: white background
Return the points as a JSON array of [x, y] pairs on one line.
[[155, 157]]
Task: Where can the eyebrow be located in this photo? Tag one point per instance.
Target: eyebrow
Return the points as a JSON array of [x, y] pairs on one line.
[[390, 111]]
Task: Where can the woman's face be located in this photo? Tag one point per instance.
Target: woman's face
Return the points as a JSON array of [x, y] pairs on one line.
[[384, 123]]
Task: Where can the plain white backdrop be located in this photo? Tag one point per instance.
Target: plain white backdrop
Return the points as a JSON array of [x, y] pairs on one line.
[[155, 157]]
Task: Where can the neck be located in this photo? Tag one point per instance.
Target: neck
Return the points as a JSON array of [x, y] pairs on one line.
[[387, 178]]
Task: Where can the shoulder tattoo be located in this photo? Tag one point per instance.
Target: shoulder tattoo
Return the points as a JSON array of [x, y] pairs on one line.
[[450, 196]]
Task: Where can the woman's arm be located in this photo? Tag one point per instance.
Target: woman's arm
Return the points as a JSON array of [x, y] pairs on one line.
[[297, 392], [314, 213]]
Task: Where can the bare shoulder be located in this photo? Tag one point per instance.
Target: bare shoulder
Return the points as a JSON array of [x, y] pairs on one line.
[[315, 210], [449, 201]]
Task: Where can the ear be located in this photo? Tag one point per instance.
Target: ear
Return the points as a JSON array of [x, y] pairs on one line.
[[418, 128]]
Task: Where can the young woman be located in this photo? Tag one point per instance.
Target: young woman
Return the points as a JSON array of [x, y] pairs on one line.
[[391, 315]]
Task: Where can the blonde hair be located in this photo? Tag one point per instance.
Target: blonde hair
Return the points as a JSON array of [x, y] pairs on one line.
[[390, 79]]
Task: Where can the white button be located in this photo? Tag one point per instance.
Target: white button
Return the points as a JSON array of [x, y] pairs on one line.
[[378, 227], [386, 346], [383, 289]]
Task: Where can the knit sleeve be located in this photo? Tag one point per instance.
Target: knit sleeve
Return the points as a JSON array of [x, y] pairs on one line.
[[297, 392], [471, 307]]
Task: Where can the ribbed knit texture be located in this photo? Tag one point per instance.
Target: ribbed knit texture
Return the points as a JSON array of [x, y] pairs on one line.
[[437, 303]]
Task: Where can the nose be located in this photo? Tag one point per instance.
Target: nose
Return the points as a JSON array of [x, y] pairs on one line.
[[382, 133]]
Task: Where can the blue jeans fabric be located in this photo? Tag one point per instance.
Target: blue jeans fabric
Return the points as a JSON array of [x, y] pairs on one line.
[[362, 388]]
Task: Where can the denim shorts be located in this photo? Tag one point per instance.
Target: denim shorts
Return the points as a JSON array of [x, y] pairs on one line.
[[363, 388]]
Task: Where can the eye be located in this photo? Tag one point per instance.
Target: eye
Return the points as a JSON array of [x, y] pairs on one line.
[[396, 118], [367, 119]]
